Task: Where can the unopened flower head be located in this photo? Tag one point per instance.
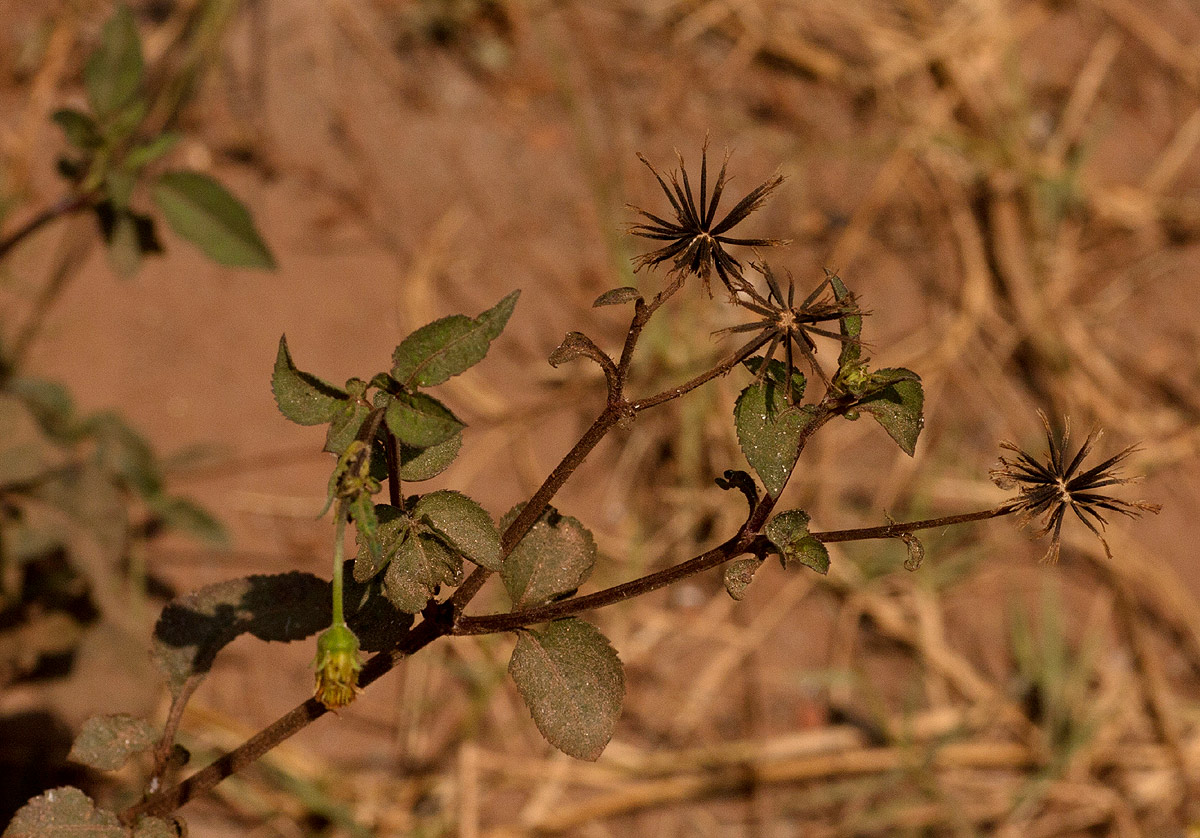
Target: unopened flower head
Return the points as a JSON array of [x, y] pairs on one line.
[[337, 666]]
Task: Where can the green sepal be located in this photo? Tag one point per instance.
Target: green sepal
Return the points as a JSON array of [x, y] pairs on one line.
[[362, 513]]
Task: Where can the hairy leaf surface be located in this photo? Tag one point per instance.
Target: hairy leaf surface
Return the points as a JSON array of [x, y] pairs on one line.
[[463, 524], [420, 420], [738, 575], [63, 813], [573, 683], [302, 397], [446, 347], [419, 565], [789, 532], [107, 742], [897, 405], [769, 431], [555, 557]]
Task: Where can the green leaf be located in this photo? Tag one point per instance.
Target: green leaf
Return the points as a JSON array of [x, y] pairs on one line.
[[107, 742], [126, 455], [573, 684], [462, 524], [850, 326], [738, 576], [113, 72], [789, 532], [50, 403], [418, 464], [420, 420], [420, 564], [393, 527], [304, 398], [555, 557], [63, 813], [769, 432], [345, 426], [200, 210], [185, 516], [897, 405], [80, 129], [616, 296], [146, 153], [447, 347]]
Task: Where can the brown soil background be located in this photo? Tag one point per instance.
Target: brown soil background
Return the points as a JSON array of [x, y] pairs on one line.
[[1011, 188]]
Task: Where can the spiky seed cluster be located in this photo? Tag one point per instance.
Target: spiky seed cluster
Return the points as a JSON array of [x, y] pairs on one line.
[[695, 240], [1048, 489], [789, 324]]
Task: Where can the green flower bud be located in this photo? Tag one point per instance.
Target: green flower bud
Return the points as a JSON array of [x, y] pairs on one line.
[[337, 666]]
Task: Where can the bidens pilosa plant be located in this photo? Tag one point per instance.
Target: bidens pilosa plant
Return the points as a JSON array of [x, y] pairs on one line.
[[422, 557]]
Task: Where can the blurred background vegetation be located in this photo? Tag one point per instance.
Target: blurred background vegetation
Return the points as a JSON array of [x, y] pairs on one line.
[[1013, 190]]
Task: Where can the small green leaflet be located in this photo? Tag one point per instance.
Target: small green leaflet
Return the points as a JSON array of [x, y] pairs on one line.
[[738, 575], [789, 532], [202, 211], [446, 347], [896, 402], [573, 684], [304, 398]]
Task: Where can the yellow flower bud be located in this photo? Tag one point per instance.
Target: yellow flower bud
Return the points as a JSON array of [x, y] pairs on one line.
[[337, 666]]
